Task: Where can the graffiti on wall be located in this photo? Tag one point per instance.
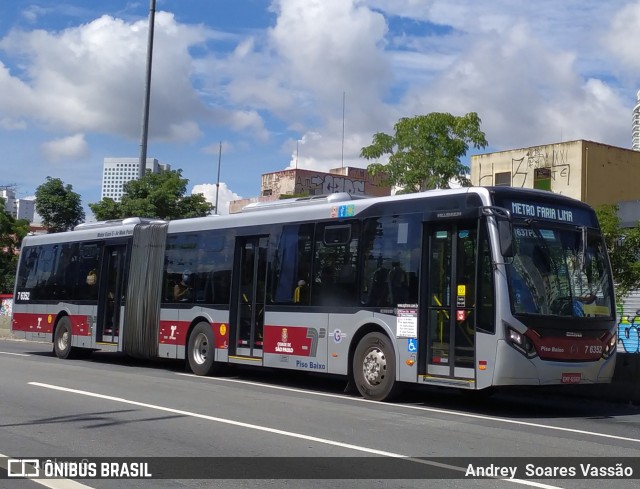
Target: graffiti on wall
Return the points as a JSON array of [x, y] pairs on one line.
[[332, 183], [554, 158], [486, 180], [5, 307], [317, 184], [628, 337], [328, 184], [557, 160]]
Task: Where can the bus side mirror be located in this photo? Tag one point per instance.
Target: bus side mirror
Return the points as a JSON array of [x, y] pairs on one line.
[[505, 233]]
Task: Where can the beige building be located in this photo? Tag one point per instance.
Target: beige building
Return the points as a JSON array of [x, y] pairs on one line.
[[355, 181], [592, 172]]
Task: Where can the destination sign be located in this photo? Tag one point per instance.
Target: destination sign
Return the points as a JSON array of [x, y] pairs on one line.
[[541, 211], [551, 212]]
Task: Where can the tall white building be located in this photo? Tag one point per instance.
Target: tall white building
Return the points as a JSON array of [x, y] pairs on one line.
[[118, 171], [25, 209], [18, 208], [635, 126]]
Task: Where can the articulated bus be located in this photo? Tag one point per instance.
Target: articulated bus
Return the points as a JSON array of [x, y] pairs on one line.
[[470, 288]]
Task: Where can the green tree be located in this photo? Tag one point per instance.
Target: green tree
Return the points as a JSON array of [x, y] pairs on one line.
[[155, 195], [623, 245], [11, 233], [106, 209], [58, 205], [425, 151]]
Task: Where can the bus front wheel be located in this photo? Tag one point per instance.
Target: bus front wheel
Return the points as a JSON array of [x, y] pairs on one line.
[[374, 368], [62, 339], [202, 350]]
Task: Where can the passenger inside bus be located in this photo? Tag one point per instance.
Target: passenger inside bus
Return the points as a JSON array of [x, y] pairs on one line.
[[92, 277], [301, 294], [397, 284], [182, 290], [378, 290]]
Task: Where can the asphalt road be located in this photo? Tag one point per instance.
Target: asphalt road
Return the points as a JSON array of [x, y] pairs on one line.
[[106, 407]]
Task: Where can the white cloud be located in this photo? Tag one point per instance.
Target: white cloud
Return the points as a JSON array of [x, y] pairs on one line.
[[623, 38], [33, 12], [209, 191], [12, 124], [525, 92], [69, 148], [330, 45], [81, 79]]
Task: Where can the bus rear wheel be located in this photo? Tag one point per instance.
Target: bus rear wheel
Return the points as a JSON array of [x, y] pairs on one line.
[[374, 368], [62, 339], [201, 350]]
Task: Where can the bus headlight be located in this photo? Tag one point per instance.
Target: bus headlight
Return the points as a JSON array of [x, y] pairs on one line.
[[610, 346], [520, 342]]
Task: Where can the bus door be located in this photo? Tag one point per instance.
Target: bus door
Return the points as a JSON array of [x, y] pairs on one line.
[[111, 293], [451, 252], [250, 299]]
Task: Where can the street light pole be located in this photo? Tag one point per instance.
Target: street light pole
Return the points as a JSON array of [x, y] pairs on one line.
[[147, 90]]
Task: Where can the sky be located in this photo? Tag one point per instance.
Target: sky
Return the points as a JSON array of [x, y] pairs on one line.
[[264, 85]]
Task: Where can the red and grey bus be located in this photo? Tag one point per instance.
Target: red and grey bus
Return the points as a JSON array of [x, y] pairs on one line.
[[469, 288]]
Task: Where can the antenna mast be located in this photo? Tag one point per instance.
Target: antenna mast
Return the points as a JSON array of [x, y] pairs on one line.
[[218, 181]]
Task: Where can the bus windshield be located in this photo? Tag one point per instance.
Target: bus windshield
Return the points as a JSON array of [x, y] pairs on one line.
[[559, 271]]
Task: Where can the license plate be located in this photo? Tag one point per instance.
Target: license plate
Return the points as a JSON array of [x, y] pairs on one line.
[[571, 378]]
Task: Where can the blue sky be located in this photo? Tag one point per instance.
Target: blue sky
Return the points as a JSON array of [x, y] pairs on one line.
[[268, 80]]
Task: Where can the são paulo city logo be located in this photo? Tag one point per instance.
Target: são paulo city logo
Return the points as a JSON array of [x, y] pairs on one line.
[[284, 346]]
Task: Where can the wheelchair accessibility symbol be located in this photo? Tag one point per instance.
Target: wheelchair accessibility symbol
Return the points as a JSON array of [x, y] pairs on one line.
[[412, 345]]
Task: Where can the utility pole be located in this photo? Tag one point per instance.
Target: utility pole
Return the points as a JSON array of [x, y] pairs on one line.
[[147, 90], [343, 97]]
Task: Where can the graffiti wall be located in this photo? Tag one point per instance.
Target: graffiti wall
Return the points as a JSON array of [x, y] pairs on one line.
[[555, 158], [555, 167], [522, 164], [6, 306], [354, 181], [585, 170], [329, 184], [628, 338], [628, 313]]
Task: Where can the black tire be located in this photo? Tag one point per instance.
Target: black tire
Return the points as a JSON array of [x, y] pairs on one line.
[[62, 339], [374, 368], [201, 350]]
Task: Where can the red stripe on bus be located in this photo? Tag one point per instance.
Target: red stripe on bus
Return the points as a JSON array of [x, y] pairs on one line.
[[43, 323]]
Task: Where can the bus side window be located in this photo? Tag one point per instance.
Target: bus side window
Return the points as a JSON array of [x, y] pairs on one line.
[[334, 264], [290, 266], [391, 260]]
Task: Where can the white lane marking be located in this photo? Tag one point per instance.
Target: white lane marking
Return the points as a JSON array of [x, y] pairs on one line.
[[422, 408], [290, 434], [50, 483], [16, 354]]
